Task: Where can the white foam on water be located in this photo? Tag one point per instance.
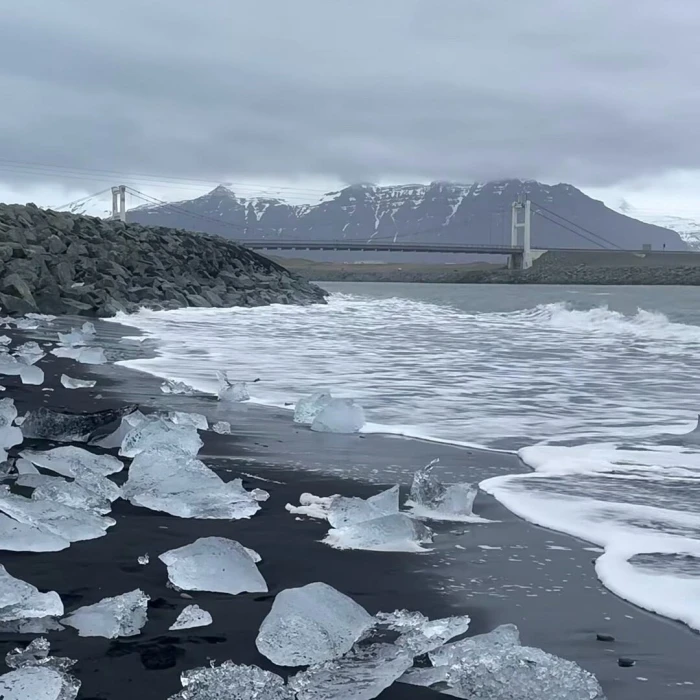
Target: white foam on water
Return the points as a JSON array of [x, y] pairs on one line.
[[582, 394]]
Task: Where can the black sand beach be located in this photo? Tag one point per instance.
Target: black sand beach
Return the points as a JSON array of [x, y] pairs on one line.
[[504, 571]]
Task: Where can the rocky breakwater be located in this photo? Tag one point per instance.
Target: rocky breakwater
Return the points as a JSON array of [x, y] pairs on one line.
[[60, 263]]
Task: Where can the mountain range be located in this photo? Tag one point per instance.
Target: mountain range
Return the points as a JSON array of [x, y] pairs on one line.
[[564, 216], [688, 229]]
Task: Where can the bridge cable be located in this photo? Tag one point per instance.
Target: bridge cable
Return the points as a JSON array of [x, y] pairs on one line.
[[578, 233], [81, 200]]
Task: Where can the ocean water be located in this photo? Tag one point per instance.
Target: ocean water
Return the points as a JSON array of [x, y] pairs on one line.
[[593, 387]]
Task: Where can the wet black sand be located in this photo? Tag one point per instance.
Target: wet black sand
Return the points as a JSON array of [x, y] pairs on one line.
[[551, 594]]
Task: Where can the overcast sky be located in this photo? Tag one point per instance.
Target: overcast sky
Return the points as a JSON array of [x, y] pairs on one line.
[[311, 94]]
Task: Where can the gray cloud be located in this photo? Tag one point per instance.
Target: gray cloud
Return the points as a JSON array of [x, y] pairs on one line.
[[591, 92]]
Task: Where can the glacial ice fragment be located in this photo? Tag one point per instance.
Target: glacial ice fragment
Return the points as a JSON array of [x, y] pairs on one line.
[[310, 625], [69, 427], [92, 356], [109, 440], [222, 427], [230, 390], [214, 564], [388, 533], [20, 600], [344, 511], [121, 616], [362, 674], [431, 499], [232, 682], [419, 635], [5, 340], [36, 653], [191, 616], [502, 636], [29, 353], [78, 336], [197, 420], [309, 407], [143, 559], [170, 386], [339, 416], [28, 323], [71, 494], [159, 434], [22, 537], [71, 383], [173, 481], [28, 374], [34, 625], [74, 461], [38, 683], [10, 435]]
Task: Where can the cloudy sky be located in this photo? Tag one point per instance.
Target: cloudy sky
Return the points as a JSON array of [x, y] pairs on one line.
[[173, 96]]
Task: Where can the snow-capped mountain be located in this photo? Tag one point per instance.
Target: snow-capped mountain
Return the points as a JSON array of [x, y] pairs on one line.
[[441, 211], [687, 229]]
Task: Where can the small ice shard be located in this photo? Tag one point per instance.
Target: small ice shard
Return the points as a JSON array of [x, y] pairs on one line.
[[71, 383], [36, 653], [232, 682], [20, 600], [431, 499], [361, 674], [170, 386], [346, 511], [222, 427], [121, 616], [312, 506], [311, 625], [419, 635], [75, 337], [5, 340], [74, 461], [69, 427], [339, 416], [143, 559], [389, 533], [22, 537], [135, 340], [191, 616], [195, 419], [10, 435], [231, 390], [92, 356], [69, 523], [309, 407], [214, 564], [159, 433], [172, 481], [26, 324], [112, 439], [29, 353], [38, 683]]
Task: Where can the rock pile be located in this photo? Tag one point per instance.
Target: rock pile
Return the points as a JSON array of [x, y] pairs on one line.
[[60, 263]]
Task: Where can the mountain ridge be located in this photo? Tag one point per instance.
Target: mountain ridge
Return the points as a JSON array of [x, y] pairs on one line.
[[442, 212]]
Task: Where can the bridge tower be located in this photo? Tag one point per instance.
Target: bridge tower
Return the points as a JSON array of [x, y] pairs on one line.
[[119, 202], [520, 219]]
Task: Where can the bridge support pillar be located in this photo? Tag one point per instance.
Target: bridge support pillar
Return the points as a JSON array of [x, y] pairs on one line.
[[119, 202], [520, 219]]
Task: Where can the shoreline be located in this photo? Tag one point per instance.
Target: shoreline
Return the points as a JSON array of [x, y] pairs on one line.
[[504, 571]]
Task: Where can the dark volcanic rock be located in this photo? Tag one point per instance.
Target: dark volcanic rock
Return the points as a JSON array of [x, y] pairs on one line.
[[59, 263]]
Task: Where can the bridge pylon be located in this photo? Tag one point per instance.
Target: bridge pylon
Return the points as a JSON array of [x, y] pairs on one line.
[[521, 215], [119, 202]]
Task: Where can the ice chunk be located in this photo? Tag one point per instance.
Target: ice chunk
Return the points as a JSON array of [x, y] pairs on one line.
[[20, 600], [195, 419], [121, 616], [10, 435], [28, 374], [5, 340], [419, 635], [389, 533], [502, 636], [160, 434], [36, 653], [143, 559], [170, 386], [22, 537], [310, 406], [214, 564], [311, 625], [24, 466], [71, 494], [312, 506], [232, 682], [191, 616], [231, 390], [432, 499], [67, 351], [78, 336], [69, 523], [92, 356], [115, 438], [339, 416], [346, 511], [71, 383], [170, 480], [29, 353], [35, 625], [74, 461], [222, 427], [26, 324], [360, 675], [69, 427], [38, 683]]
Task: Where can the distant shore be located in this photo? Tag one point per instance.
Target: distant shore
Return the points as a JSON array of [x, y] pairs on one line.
[[594, 267]]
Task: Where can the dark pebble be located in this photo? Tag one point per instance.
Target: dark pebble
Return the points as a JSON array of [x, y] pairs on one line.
[[625, 663], [605, 637]]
